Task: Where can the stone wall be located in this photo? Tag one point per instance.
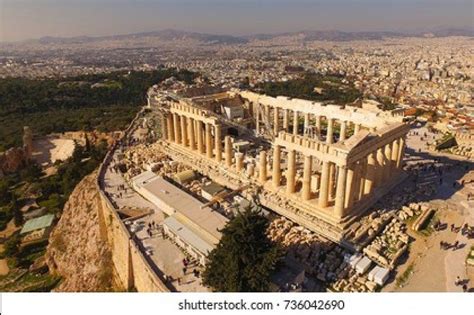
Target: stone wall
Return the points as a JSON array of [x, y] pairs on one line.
[[132, 269]]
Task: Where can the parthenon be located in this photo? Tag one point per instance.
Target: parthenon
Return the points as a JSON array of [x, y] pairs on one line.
[[320, 165]]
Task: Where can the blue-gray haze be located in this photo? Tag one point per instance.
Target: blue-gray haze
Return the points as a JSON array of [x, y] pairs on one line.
[[24, 19]]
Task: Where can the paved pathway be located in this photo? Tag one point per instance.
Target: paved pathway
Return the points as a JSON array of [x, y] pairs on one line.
[[436, 269], [454, 266], [166, 255]]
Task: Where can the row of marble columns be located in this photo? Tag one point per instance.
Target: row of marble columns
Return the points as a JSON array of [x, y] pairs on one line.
[[340, 185], [309, 129], [205, 138], [346, 185]]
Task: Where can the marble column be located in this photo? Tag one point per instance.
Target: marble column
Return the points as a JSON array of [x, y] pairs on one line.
[[306, 190], [276, 172], [342, 132], [200, 140], [395, 150], [401, 154], [239, 161], [340, 192], [228, 151], [356, 128], [164, 129], [267, 114], [208, 141], [176, 126], [388, 161], [285, 120], [371, 173], [380, 166], [250, 169], [169, 125], [295, 122], [330, 132], [332, 174], [218, 142], [275, 121], [262, 169], [324, 188], [349, 198], [184, 132], [362, 176], [192, 142], [318, 127], [195, 128], [306, 123], [357, 181], [291, 172]]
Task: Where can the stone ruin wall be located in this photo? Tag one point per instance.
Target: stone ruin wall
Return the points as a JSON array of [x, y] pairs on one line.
[[16, 158]]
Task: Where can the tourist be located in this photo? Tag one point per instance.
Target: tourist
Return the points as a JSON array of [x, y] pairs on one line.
[[464, 228], [458, 281]]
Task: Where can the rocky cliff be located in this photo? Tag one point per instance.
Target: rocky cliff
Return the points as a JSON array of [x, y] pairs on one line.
[[77, 251]]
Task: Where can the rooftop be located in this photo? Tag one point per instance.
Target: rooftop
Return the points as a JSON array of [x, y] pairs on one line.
[[187, 207], [187, 235], [37, 224]]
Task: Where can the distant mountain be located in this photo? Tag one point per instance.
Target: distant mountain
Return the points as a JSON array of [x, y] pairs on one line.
[[165, 35], [212, 39], [454, 32], [328, 35], [335, 35]]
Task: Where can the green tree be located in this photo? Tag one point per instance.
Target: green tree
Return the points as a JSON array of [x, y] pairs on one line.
[[78, 154], [12, 246], [244, 258], [17, 214], [31, 172], [88, 143], [5, 194]]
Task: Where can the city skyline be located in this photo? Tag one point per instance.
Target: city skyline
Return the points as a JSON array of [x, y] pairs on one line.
[[70, 18]]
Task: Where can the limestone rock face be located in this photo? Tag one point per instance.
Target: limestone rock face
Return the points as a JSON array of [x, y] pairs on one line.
[[76, 250], [12, 160]]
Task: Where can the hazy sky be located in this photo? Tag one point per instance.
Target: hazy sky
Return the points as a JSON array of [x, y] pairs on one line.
[[24, 19]]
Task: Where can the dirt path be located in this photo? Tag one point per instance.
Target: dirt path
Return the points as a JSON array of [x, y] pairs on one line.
[[435, 269], [4, 270], [453, 262], [11, 228], [3, 264]]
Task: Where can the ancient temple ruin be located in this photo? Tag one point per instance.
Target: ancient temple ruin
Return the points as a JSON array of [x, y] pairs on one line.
[[320, 165]]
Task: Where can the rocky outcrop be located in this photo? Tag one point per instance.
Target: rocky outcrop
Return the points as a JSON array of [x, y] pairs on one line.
[[77, 252], [13, 159]]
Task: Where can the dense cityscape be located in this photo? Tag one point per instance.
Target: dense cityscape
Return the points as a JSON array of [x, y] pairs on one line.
[[316, 161]]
